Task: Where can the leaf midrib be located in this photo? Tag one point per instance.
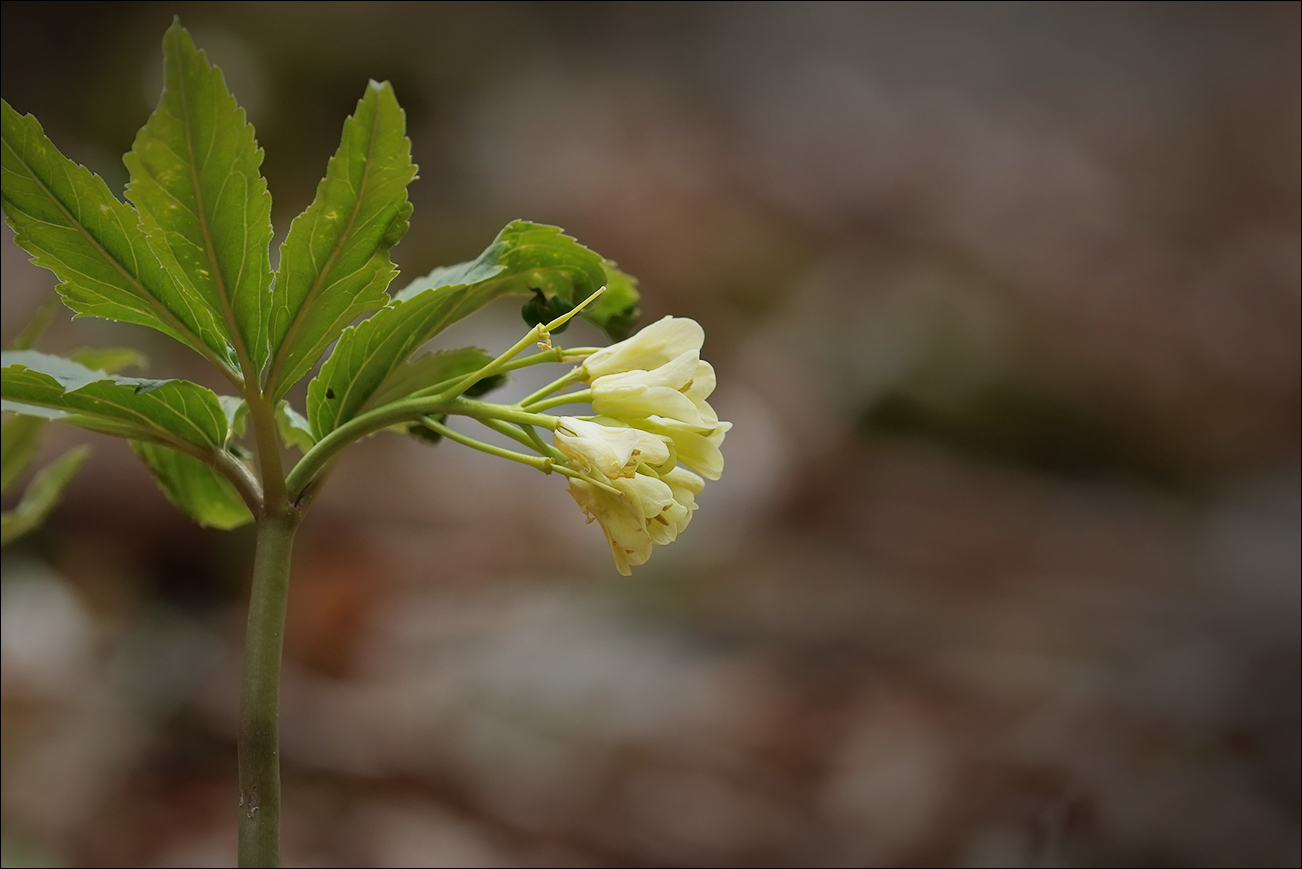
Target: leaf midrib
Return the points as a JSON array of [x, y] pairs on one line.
[[157, 307], [299, 317], [148, 424], [201, 215]]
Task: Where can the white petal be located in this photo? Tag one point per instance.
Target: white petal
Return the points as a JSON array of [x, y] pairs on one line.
[[650, 348], [611, 451], [621, 521], [696, 447]]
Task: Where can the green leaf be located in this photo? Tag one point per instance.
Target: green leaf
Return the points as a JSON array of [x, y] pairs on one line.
[[21, 437], [42, 495], [110, 359], [172, 412], [432, 369], [70, 223], [335, 263], [616, 311], [294, 428], [523, 258], [196, 489], [237, 416], [203, 203]]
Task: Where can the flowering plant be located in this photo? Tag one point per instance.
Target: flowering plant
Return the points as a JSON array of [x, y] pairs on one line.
[[189, 256]]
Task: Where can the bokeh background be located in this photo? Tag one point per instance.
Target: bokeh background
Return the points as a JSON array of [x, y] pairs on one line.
[[1004, 567]]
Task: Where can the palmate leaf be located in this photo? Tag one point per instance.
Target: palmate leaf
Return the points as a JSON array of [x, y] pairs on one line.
[[335, 263], [203, 203], [196, 489], [41, 495], [523, 258], [66, 218], [171, 412]]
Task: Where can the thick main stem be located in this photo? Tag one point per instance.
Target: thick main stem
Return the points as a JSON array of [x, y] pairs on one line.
[[259, 739]]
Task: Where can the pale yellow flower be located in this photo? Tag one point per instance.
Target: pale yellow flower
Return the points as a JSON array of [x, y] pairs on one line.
[[612, 451], [675, 390], [632, 519], [694, 446], [684, 486], [650, 393], [650, 348]]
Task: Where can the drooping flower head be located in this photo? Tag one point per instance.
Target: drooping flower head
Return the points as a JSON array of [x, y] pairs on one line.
[[653, 419]]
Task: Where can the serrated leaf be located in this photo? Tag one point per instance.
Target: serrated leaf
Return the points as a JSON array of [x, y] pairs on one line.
[[203, 204], [196, 489], [42, 495], [294, 428], [174, 412], [524, 257], [335, 263], [431, 369], [66, 218], [21, 437]]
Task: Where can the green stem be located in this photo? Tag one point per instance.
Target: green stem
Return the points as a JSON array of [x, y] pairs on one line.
[[558, 384], [515, 434], [407, 410], [262, 418], [556, 354], [540, 333], [583, 396], [239, 476], [526, 435], [437, 389], [542, 464], [497, 365], [259, 736], [546, 465]]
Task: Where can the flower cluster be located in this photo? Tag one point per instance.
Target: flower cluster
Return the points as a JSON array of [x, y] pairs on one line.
[[652, 424]]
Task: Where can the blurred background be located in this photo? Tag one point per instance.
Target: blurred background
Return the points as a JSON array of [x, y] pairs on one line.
[[1004, 567]]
